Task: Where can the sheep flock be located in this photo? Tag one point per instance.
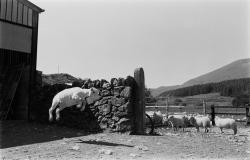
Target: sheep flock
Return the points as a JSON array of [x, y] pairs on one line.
[[184, 121]]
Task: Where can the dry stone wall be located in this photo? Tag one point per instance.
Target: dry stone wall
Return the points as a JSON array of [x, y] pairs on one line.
[[114, 110]]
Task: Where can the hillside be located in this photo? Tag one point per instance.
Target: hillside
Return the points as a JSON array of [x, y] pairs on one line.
[[236, 70], [60, 78], [157, 91], [232, 88]]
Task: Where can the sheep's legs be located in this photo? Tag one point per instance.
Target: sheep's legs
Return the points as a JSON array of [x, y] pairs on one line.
[[53, 106], [221, 129], [83, 106], [198, 130], [58, 112]]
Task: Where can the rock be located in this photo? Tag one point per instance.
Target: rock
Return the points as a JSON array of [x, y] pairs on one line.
[[134, 155], [130, 81], [127, 107], [114, 82], [106, 93], [105, 109], [126, 92], [106, 86], [115, 118], [121, 81], [117, 101], [120, 114], [123, 125], [248, 151], [143, 148], [97, 83], [75, 147], [106, 151], [117, 90]]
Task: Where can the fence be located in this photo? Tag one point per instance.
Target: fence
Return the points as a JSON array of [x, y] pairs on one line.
[[217, 110], [238, 111]]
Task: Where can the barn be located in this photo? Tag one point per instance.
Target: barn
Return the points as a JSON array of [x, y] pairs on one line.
[[18, 57]]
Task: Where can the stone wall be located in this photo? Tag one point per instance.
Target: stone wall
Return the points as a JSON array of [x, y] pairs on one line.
[[114, 111]]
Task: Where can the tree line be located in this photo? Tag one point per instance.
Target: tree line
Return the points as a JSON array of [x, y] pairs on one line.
[[232, 88]]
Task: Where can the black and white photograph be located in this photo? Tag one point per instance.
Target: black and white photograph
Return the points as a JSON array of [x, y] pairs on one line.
[[124, 79]]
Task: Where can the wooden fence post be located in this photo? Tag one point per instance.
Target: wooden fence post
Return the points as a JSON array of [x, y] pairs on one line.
[[204, 107], [167, 107], [247, 115], [139, 101], [212, 115]]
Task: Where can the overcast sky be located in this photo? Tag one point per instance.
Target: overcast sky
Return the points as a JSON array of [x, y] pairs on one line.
[[173, 40]]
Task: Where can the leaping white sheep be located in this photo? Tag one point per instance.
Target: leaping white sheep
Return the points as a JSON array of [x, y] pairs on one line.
[[227, 123], [70, 97]]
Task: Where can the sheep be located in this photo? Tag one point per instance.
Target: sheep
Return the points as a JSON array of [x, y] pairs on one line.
[[227, 123], [70, 97], [177, 121], [200, 121], [157, 117]]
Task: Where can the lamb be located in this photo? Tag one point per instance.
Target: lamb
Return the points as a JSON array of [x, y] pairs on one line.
[[200, 121], [70, 97], [227, 123], [177, 121]]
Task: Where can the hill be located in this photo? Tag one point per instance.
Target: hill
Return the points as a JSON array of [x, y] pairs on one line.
[[236, 70], [157, 91], [231, 88], [60, 78]]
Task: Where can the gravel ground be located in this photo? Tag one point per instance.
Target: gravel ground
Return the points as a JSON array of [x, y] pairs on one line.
[[22, 140]]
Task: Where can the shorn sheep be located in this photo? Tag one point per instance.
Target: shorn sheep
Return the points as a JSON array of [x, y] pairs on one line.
[[227, 123], [200, 121], [177, 121], [70, 97]]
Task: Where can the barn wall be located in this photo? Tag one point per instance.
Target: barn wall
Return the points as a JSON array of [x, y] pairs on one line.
[[114, 111], [21, 100], [15, 37]]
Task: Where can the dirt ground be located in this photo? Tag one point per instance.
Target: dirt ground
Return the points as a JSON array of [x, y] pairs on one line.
[[22, 140]]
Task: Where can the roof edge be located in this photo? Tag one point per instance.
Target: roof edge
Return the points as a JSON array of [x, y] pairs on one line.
[[31, 5]]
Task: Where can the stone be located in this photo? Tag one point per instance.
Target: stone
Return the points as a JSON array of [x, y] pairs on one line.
[[106, 151], [75, 147], [120, 114], [143, 148], [114, 82], [97, 83], [117, 90], [121, 81], [123, 125], [104, 123], [130, 81], [134, 155], [127, 107], [106, 85], [106, 93], [115, 118], [117, 101], [105, 109], [126, 92]]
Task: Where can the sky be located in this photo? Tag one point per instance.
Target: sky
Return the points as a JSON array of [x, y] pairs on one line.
[[172, 40]]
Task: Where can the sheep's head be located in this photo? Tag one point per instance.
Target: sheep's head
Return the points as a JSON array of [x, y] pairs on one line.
[[192, 120], [94, 92]]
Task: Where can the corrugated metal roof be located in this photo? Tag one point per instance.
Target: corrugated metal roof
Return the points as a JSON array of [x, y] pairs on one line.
[[31, 5]]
